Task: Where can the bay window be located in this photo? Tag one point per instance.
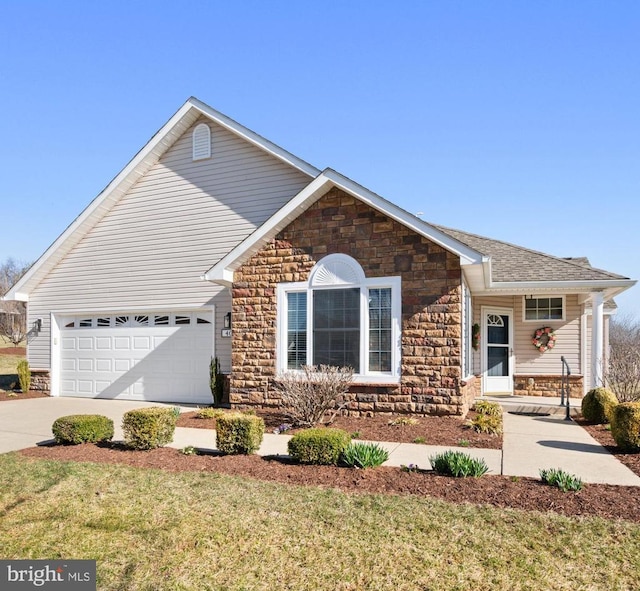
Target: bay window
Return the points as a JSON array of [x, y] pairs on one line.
[[341, 318]]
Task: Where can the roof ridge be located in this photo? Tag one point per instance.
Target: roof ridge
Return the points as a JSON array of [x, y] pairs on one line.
[[530, 250]]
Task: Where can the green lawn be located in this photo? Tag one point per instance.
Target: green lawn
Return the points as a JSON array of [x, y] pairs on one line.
[[152, 530]]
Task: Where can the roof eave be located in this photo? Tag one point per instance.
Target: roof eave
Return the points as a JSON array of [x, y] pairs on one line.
[[136, 168], [611, 288], [222, 271]]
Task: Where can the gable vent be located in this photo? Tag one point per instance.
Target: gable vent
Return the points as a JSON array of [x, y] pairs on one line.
[[201, 142]]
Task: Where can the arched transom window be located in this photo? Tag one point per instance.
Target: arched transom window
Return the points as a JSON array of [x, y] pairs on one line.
[[342, 318]]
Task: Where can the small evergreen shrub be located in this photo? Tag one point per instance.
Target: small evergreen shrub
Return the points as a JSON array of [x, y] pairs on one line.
[[209, 413], [484, 407], [321, 445], [598, 405], [401, 421], [488, 418], [364, 455], [148, 428], [458, 464], [216, 381], [238, 433], [75, 429], [559, 478], [491, 424], [625, 425], [24, 375]]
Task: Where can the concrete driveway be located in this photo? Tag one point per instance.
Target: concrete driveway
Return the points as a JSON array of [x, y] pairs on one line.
[[24, 423]]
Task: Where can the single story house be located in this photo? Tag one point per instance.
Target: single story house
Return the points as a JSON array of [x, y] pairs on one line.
[[213, 241]]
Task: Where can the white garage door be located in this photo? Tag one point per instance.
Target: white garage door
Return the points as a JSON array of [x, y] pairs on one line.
[[156, 356]]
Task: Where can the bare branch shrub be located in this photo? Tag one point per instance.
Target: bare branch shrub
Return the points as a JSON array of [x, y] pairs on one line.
[[623, 374], [13, 322], [13, 315], [306, 396]]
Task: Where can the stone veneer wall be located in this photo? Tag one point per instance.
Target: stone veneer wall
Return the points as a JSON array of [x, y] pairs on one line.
[[524, 385], [40, 380], [431, 307]]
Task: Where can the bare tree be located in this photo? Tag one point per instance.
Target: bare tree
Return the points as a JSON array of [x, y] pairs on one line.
[[623, 374], [13, 315]]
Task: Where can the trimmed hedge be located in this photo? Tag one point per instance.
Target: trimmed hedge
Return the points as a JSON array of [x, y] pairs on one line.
[[76, 429], [149, 428], [598, 405], [625, 426], [238, 433], [320, 445]]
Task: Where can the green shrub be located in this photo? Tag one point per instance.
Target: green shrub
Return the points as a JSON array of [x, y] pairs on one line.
[[24, 375], [238, 433], [598, 405], [561, 479], [209, 413], [459, 464], [75, 429], [321, 445], [491, 424], [216, 381], [402, 421], [364, 455], [484, 407], [148, 428], [625, 426]]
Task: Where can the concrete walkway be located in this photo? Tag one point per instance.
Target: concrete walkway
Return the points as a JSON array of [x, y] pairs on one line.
[[530, 442]]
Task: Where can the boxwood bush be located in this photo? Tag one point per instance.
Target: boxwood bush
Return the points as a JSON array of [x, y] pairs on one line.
[[238, 433], [598, 405], [625, 425], [320, 445], [75, 429], [148, 428]]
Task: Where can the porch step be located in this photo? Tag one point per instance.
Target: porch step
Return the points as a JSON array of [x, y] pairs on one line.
[[530, 405]]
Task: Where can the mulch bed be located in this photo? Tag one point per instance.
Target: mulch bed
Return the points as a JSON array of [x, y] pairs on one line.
[[449, 431], [13, 351], [609, 502], [604, 438], [7, 395]]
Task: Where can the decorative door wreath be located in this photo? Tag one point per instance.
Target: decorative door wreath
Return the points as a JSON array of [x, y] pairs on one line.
[[544, 338]]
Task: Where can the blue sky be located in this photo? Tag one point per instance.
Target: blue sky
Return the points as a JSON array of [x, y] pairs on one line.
[[515, 120]]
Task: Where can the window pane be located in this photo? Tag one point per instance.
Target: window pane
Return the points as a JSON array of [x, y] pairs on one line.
[[543, 309], [380, 329], [296, 330], [336, 327], [498, 361]]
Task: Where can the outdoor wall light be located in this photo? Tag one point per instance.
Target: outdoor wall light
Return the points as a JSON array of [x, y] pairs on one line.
[[37, 325], [227, 320]]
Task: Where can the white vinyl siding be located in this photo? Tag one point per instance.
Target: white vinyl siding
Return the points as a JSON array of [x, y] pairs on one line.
[[152, 247]]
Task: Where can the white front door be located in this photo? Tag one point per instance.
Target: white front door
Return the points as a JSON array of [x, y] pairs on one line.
[[498, 350]]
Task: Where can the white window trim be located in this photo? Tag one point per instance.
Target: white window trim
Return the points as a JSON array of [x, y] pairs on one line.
[[466, 360], [539, 297], [394, 283]]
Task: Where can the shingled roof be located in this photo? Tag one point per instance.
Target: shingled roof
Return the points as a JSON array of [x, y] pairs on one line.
[[511, 263]]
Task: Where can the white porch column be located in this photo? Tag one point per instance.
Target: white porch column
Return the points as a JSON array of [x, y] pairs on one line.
[[597, 338]]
